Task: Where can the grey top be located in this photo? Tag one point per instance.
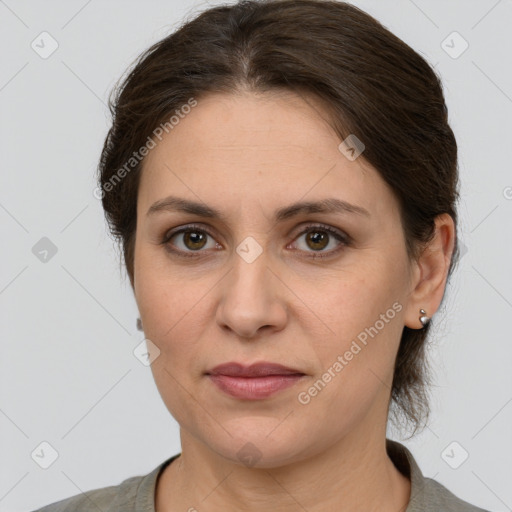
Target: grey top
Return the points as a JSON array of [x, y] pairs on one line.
[[137, 494]]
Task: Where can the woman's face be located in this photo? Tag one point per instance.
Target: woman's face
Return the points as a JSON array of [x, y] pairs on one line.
[[322, 292]]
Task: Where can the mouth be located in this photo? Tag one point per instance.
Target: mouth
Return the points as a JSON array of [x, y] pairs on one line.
[[254, 382]]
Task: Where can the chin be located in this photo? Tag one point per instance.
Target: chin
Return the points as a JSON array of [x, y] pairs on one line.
[[261, 444]]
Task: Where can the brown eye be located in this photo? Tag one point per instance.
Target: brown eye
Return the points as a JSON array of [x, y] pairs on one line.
[[317, 239], [194, 240], [189, 240]]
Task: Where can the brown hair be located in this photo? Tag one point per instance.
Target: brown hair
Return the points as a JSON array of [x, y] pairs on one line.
[[372, 84]]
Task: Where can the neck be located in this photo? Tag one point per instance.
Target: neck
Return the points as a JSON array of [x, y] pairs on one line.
[[354, 474]]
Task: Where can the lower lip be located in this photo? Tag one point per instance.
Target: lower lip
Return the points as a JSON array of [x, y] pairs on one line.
[[254, 388]]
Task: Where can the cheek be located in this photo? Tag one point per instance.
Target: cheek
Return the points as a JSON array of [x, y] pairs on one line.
[[364, 312], [171, 317], [168, 304], [355, 364], [354, 302]]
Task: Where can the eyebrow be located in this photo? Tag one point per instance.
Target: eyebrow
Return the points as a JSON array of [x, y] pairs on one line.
[[329, 205]]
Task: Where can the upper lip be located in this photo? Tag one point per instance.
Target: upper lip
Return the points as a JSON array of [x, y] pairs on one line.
[[261, 369]]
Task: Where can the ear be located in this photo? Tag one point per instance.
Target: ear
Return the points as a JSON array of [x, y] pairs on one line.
[[430, 273]]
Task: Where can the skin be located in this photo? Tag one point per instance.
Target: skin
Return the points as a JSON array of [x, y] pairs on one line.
[[247, 155]]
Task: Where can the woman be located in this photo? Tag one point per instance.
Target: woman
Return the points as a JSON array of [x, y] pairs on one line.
[[283, 181]]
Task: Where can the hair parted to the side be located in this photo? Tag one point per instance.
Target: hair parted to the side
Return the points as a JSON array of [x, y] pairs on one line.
[[372, 84]]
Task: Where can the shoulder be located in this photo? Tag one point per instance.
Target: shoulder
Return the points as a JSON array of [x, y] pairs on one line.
[[135, 494], [95, 499], [439, 497], [106, 499], [427, 495]]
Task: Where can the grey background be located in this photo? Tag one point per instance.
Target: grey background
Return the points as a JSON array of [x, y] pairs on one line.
[[68, 375]]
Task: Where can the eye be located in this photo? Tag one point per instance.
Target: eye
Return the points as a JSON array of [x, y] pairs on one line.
[[189, 239], [319, 237]]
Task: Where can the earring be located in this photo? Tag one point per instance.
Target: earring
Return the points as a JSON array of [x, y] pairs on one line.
[[424, 319], [139, 324]]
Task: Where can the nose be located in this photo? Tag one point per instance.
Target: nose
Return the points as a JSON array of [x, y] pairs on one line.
[[252, 299]]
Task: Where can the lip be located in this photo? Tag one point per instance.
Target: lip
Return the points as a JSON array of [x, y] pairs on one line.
[[260, 369], [255, 382]]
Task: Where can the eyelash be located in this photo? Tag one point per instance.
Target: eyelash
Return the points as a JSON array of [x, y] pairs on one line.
[[339, 236]]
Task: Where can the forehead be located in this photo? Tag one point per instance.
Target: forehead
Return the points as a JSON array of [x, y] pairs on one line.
[[277, 122], [265, 146]]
